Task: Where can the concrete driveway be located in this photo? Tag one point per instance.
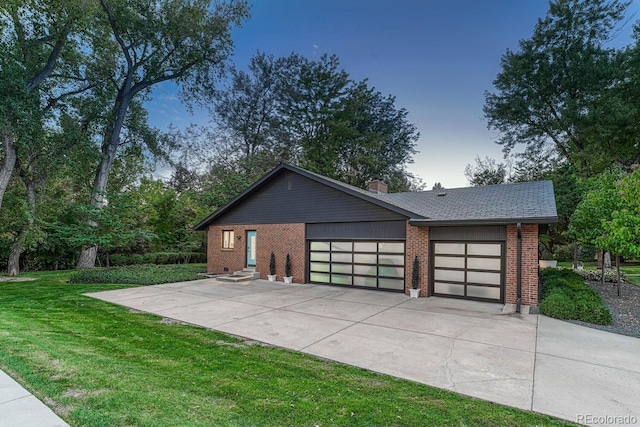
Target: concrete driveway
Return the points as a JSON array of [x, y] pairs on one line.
[[525, 361]]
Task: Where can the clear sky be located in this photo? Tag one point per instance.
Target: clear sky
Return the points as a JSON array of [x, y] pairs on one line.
[[437, 57]]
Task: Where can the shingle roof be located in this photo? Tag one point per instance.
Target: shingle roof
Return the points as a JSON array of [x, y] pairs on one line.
[[531, 202], [524, 201]]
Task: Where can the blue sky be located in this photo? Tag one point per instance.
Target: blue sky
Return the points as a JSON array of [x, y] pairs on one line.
[[437, 57]]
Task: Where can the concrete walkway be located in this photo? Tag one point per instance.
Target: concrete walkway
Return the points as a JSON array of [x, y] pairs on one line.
[[526, 361], [19, 408]]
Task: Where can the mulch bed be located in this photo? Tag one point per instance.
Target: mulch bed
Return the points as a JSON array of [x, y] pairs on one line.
[[625, 309]]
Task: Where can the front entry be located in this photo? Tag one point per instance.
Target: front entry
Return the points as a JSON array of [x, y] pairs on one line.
[[251, 248]]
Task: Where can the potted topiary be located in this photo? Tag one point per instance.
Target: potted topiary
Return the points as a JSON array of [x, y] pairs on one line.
[[272, 268], [547, 261], [288, 278], [415, 279]]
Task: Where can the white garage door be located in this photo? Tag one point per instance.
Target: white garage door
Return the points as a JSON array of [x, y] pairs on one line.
[[367, 264], [472, 270]]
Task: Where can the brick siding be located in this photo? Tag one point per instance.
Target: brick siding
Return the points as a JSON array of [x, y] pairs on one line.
[[529, 264], [282, 239], [417, 244]]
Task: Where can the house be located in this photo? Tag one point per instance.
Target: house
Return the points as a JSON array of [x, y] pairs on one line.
[[476, 243]]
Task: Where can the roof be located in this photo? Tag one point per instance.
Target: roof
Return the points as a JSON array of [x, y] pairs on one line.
[[530, 202], [526, 202]]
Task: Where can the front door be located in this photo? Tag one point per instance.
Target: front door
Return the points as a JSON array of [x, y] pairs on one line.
[[251, 248]]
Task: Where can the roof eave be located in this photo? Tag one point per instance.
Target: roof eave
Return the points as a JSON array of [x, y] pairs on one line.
[[482, 221]]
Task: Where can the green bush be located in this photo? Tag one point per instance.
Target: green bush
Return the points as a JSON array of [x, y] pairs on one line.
[[566, 296], [140, 274], [593, 312], [158, 258], [149, 258], [558, 305]]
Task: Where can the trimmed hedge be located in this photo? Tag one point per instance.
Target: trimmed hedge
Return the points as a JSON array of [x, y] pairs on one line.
[[158, 258], [566, 296], [140, 274]]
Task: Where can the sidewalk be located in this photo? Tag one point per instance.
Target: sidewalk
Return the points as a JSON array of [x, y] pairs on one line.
[[19, 408]]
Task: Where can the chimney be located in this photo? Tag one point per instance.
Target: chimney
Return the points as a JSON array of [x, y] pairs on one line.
[[377, 186]]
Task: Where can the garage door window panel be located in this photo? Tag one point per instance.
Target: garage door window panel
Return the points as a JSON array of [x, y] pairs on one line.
[[468, 269], [368, 264]]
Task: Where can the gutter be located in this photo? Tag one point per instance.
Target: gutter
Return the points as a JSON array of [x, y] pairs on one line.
[[416, 222], [519, 268]]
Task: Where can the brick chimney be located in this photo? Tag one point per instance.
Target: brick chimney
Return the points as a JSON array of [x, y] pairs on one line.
[[377, 186]]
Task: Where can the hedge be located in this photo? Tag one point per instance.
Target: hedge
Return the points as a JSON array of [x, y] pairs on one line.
[[140, 274], [158, 258], [566, 296]]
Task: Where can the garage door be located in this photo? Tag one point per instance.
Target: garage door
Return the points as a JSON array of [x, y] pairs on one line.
[[367, 264], [472, 270]]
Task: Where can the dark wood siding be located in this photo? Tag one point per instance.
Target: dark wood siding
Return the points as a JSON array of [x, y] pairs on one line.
[[291, 198], [487, 232], [393, 230]]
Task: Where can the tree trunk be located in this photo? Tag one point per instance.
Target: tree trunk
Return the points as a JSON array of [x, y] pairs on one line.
[[87, 257], [9, 162], [604, 267], [575, 255], [13, 266], [618, 272]]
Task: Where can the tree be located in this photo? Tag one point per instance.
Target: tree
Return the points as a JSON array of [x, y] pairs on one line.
[[148, 43], [437, 186], [621, 232], [486, 172], [35, 37], [549, 92], [310, 113]]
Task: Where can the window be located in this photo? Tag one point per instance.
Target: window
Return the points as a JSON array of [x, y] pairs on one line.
[[227, 239]]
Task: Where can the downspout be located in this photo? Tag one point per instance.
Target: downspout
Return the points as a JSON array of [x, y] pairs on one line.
[[519, 269]]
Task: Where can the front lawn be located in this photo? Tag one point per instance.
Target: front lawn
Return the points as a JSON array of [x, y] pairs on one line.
[[99, 364]]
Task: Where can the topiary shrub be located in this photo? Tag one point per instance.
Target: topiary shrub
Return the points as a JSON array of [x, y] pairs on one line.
[[272, 264], [287, 266], [558, 305]]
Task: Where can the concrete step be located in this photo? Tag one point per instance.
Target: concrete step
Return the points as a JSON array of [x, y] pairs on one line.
[[249, 269], [239, 276]]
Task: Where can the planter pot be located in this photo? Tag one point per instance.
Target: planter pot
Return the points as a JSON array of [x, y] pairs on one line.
[[548, 263], [271, 277], [288, 280], [414, 293]]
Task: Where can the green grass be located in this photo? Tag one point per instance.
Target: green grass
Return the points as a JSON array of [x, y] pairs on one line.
[[99, 364]]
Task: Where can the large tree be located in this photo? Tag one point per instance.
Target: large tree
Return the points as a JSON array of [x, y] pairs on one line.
[[141, 43], [36, 36], [550, 91]]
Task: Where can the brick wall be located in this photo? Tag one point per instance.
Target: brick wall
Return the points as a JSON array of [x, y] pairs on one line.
[[417, 244], [282, 239], [529, 264]]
